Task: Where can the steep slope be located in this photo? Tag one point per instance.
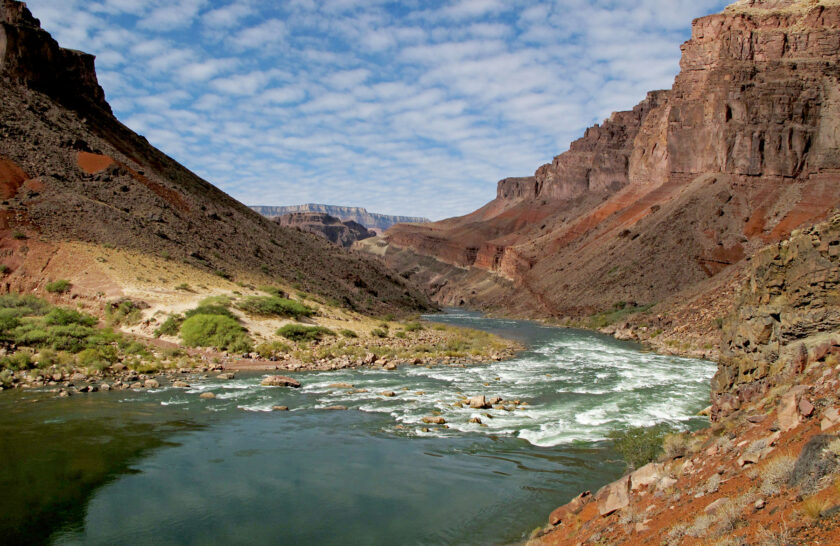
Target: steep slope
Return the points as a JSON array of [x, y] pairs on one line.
[[662, 203], [69, 171], [343, 234], [370, 220]]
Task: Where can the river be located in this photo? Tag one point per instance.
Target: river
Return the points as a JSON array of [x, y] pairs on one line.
[[167, 467]]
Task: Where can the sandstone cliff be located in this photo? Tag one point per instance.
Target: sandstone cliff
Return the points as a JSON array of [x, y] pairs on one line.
[[343, 234], [662, 203], [69, 171], [370, 220]]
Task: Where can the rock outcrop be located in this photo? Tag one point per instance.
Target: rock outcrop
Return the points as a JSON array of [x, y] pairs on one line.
[[370, 220], [664, 202], [71, 172], [343, 234]]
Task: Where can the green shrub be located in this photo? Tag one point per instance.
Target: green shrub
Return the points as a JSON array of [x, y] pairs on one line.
[[639, 445], [94, 358], [123, 312], [185, 287], [267, 350], [222, 274], [17, 361], [274, 306], [218, 331], [413, 327], [221, 299], [273, 290], [4, 269], [58, 287], [348, 333], [24, 305], [299, 332], [170, 327], [220, 310], [400, 335], [19, 235], [379, 332], [59, 316]]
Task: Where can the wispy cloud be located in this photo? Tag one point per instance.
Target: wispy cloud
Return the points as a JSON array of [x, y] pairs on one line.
[[409, 108]]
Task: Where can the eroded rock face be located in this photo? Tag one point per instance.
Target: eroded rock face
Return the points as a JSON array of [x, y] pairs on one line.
[[785, 318], [343, 234], [653, 202]]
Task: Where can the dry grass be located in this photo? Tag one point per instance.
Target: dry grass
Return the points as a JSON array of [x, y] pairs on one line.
[[812, 507], [776, 472], [675, 445]]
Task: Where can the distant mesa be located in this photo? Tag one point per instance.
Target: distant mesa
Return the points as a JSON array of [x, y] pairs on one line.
[[342, 233], [370, 220]]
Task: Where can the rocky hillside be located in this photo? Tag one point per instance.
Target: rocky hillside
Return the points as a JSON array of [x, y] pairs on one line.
[[663, 203], [343, 234], [370, 220], [70, 171], [768, 469]]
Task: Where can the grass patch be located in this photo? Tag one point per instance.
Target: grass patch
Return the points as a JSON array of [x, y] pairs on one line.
[[273, 348], [124, 312], [620, 311], [413, 327], [212, 309], [273, 306], [170, 327], [379, 332], [299, 332], [59, 287], [350, 334], [215, 330], [274, 291]]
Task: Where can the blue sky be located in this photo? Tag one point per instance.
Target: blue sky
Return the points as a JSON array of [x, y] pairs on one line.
[[412, 107]]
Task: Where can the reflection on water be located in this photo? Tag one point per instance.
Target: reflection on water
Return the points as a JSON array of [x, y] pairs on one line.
[[166, 467]]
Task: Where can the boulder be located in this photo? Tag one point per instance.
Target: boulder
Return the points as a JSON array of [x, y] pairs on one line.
[[180, 384], [574, 506], [614, 496], [389, 394], [831, 418], [226, 376], [104, 387], [151, 384], [478, 402], [335, 408], [494, 400], [647, 475], [434, 420], [280, 381], [389, 366], [714, 506], [341, 386], [476, 420], [280, 408], [806, 408], [788, 412], [207, 395]]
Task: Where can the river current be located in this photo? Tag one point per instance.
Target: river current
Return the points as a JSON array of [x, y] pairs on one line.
[[167, 467]]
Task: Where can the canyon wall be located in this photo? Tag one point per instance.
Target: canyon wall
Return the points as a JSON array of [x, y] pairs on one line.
[[656, 201], [370, 220]]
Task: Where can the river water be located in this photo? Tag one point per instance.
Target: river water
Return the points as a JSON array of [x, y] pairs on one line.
[[167, 467]]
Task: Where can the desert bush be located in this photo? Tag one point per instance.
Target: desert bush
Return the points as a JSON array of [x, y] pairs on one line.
[[401, 335], [299, 332], [674, 445], [379, 332], [213, 309], [639, 445], [19, 360], [95, 358], [5, 378], [23, 305], [217, 331], [19, 235], [4, 269], [269, 349], [58, 287], [59, 316], [170, 327], [274, 306], [348, 333], [413, 327], [274, 291], [813, 507], [775, 473], [123, 312]]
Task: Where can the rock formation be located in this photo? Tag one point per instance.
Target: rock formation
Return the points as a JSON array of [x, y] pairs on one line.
[[343, 234], [69, 172], [370, 220], [666, 201]]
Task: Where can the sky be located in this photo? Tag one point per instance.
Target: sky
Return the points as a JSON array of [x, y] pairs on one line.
[[414, 107]]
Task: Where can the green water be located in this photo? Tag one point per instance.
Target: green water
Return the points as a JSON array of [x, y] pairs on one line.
[[166, 467]]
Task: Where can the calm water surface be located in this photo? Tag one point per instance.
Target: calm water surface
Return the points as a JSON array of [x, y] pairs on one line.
[[166, 467]]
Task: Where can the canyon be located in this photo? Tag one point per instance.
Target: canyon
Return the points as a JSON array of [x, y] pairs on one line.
[[360, 215]]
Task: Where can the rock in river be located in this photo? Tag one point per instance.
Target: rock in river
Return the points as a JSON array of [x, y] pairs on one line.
[[279, 381]]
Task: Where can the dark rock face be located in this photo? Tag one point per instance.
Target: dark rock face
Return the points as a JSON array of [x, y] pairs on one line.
[[370, 220], [343, 234], [30, 56], [659, 202]]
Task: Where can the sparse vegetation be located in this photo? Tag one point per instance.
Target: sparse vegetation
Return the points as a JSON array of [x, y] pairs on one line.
[[413, 327], [212, 309], [639, 445], [124, 312], [170, 327], [58, 287], [775, 474], [299, 332], [675, 445], [620, 311], [273, 348], [273, 290], [215, 330], [379, 332], [4, 269], [19, 235], [348, 333], [813, 507], [275, 306]]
